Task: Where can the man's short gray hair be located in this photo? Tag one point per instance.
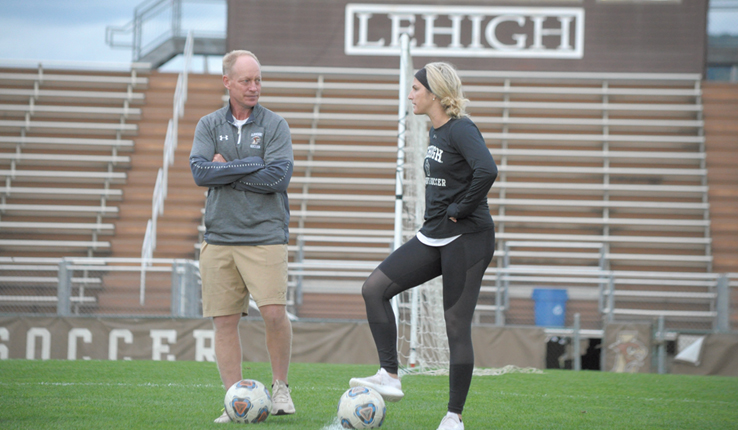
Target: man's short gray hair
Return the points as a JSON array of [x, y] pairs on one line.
[[230, 59]]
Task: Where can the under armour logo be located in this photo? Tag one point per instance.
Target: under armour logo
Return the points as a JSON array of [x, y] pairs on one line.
[[221, 137]]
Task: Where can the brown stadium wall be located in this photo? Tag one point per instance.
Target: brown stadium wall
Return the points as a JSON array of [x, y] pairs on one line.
[[618, 36]]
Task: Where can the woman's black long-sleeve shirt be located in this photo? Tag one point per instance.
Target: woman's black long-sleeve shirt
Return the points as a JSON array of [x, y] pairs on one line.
[[459, 172]]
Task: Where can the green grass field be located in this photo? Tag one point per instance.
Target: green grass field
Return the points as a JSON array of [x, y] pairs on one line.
[[187, 395]]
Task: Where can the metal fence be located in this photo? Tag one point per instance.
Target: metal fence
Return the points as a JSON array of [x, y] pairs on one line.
[[678, 307], [692, 302], [99, 287]]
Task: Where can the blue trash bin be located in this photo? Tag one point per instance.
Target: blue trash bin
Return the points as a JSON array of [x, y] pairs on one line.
[[550, 306]]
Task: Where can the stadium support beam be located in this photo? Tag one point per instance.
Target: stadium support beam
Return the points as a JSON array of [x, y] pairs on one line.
[[64, 290], [722, 322]]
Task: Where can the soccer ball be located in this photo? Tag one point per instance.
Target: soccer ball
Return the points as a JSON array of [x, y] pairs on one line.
[[248, 401], [361, 408]]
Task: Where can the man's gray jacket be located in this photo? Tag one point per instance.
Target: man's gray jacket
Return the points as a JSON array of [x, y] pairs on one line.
[[247, 196]]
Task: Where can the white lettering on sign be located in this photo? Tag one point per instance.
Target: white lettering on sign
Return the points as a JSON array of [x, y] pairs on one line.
[[74, 334], [115, 334], [533, 32], [45, 336], [204, 352], [4, 336], [38, 343], [158, 347]]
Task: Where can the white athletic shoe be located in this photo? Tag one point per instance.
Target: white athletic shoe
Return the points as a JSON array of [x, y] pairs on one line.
[[451, 422], [223, 418], [389, 387], [281, 399]]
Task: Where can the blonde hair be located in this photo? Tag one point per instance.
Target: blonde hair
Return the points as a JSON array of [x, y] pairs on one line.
[[445, 83], [230, 59]]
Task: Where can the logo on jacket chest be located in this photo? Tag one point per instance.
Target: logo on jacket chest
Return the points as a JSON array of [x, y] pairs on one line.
[[256, 140]]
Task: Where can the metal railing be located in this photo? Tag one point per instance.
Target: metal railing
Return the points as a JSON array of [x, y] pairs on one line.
[[92, 286], [156, 21], [102, 287], [687, 301], [159, 26], [161, 186], [75, 65], [96, 286]]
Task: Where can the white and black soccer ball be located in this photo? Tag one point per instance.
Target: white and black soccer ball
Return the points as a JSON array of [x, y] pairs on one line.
[[361, 408], [248, 401]]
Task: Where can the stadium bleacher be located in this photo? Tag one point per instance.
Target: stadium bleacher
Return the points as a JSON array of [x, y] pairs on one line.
[[61, 152], [61, 138], [598, 171]]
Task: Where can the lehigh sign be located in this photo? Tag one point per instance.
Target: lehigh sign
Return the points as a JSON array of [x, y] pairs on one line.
[[465, 31]]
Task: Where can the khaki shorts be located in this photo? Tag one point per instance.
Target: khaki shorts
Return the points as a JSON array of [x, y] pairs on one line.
[[230, 273]]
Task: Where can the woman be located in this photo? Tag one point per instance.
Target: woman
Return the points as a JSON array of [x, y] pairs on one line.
[[457, 239]]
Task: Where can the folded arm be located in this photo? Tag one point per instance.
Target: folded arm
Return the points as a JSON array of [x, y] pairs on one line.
[[209, 173], [278, 164], [273, 178]]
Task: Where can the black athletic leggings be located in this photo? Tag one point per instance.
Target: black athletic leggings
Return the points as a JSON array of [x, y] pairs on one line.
[[462, 264]]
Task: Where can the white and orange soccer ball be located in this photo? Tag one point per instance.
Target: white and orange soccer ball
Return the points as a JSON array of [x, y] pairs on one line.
[[248, 401], [361, 408]]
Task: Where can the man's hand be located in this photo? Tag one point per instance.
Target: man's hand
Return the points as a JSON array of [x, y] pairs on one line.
[[218, 159]]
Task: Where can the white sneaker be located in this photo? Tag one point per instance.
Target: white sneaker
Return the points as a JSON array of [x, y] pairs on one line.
[[451, 422], [389, 387], [281, 399], [223, 418]]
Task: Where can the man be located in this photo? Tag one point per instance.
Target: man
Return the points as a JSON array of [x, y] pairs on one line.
[[243, 154]]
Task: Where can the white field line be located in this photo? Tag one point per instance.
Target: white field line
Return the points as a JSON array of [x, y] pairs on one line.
[[107, 384], [298, 388], [144, 385], [334, 425]]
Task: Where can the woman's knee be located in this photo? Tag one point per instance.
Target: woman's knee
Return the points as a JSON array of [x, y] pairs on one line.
[[374, 287], [371, 293]]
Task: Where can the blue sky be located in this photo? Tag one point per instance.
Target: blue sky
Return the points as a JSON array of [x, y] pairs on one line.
[[62, 30], [75, 29], [70, 30]]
